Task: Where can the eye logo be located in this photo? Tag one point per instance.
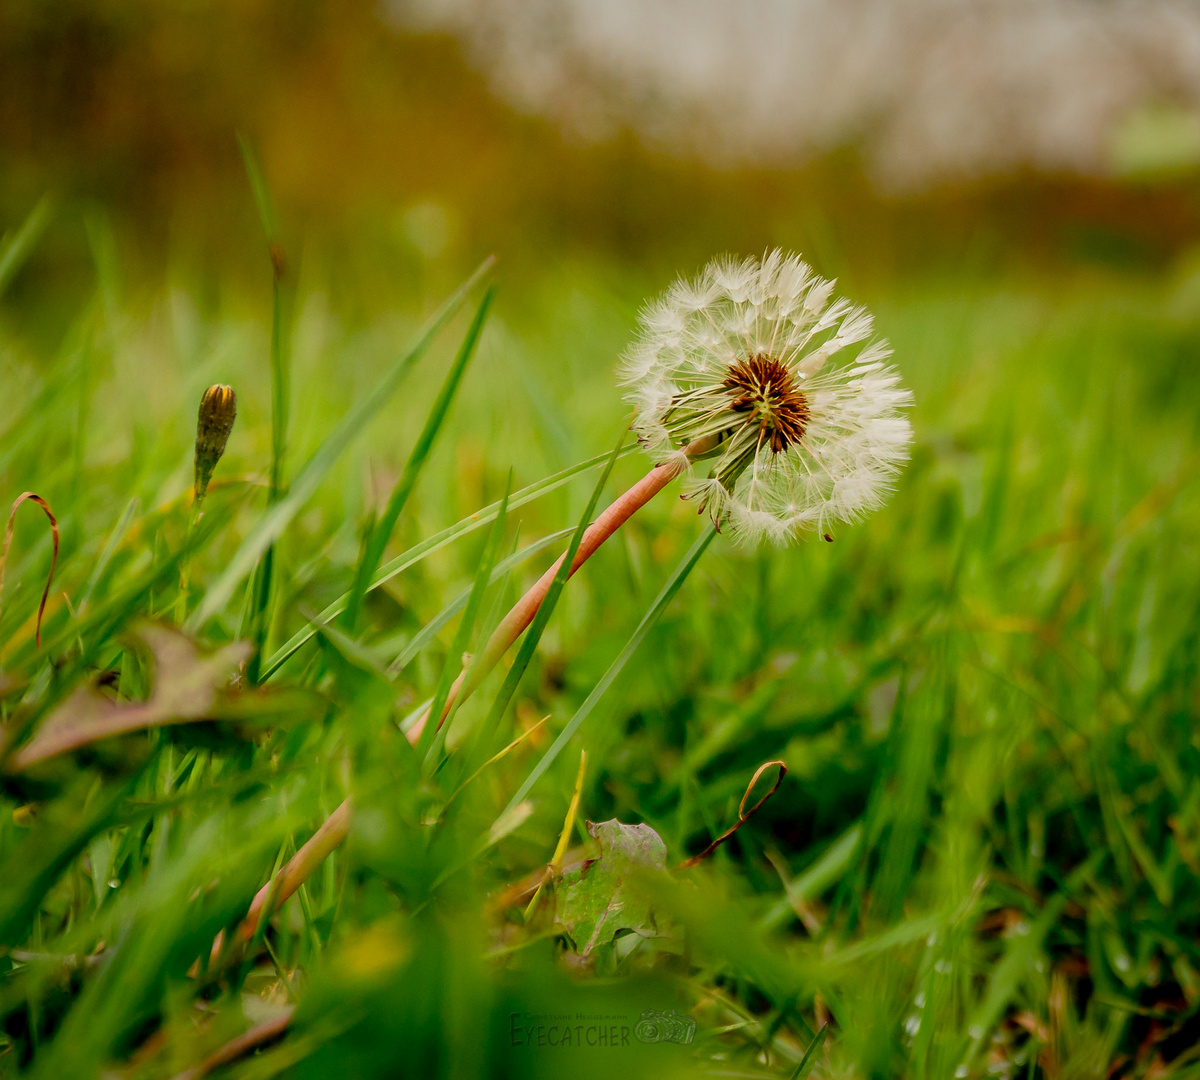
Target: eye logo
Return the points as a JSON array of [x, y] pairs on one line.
[[666, 1026]]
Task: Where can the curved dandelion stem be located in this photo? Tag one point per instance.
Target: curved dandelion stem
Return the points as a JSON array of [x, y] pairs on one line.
[[335, 829], [522, 612]]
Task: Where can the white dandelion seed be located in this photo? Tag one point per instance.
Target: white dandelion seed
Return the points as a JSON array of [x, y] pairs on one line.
[[756, 367]]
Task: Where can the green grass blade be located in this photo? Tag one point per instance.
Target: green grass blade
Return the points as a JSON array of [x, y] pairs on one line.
[[280, 393], [16, 251], [435, 543], [262, 194], [110, 548], [381, 533], [279, 372], [272, 524], [434, 731], [68, 824], [350, 649], [810, 1055], [667, 594], [42, 412], [431, 628], [280, 381], [814, 881], [534, 634], [1020, 955]]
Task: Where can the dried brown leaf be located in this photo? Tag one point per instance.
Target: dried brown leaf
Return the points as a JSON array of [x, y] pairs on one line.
[[186, 688]]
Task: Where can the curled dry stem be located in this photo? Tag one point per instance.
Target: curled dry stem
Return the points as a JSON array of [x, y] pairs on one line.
[[744, 815], [8, 536]]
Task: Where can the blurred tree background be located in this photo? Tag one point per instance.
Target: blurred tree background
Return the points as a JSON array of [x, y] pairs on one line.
[[132, 108]]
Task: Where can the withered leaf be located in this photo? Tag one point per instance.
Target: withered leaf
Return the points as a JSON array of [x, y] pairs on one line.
[[187, 686]]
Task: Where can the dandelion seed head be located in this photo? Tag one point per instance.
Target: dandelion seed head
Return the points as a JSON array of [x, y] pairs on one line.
[[785, 388]]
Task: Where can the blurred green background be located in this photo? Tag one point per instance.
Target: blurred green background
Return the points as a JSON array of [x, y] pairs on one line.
[[985, 859]]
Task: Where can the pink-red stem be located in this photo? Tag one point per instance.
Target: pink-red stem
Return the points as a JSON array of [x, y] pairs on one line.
[[521, 615], [301, 865], [243, 1044]]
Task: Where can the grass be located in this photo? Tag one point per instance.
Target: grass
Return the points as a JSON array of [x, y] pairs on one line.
[[984, 859]]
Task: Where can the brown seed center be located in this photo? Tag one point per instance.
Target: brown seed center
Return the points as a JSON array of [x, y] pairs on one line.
[[764, 387]]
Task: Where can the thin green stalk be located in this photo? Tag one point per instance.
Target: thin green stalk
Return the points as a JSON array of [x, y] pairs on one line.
[[272, 524], [185, 570], [431, 628], [667, 594], [260, 612], [530, 642], [381, 532], [14, 252], [432, 736]]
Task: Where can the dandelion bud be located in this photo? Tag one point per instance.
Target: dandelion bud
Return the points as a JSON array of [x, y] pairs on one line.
[[218, 409]]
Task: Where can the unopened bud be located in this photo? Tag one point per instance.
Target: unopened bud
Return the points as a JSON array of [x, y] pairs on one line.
[[218, 409]]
